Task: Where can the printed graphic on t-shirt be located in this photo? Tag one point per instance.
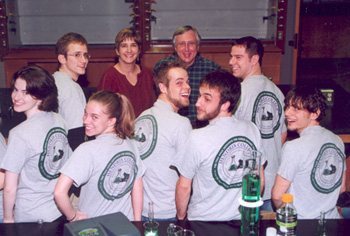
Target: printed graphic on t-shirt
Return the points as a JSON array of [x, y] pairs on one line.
[[227, 168], [55, 153], [328, 168], [146, 134], [267, 112], [117, 179]]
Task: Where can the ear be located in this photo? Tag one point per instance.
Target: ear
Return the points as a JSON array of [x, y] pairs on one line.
[[117, 52], [255, 59], [62, 59], [163, 88], [225, 106], [315, 115], [112, 121]]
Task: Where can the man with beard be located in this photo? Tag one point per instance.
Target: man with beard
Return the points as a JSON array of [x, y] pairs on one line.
[[186, 43], [160, 132], [211, 157]]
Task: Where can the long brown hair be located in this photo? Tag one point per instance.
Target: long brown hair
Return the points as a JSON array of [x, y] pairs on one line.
[[118, 106]]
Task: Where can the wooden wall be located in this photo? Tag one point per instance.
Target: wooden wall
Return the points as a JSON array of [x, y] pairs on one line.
[[104, 57]]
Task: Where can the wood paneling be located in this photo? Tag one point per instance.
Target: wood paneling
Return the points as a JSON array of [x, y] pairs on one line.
[[104, 57]]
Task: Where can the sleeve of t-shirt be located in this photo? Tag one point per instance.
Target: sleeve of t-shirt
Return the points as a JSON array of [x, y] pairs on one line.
[[289, 162], [16, 154], [3, 147], [188, 160], [79, 166]]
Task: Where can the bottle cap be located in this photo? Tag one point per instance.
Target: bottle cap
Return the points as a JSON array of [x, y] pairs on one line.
[[287, 197], [270, 231]]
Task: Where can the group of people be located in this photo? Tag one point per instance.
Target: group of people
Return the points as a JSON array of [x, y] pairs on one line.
[[174, 137]]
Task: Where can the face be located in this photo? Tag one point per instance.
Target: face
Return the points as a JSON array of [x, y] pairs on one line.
[[178, 91], [241, 64], [208, 103], [22, 100], [74, 64], [96, 121], [298, 118], [128, 51], [187, 47]]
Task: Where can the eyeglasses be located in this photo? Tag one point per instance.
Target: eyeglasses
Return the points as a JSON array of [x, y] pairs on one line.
[[189, 44], [79, 55]]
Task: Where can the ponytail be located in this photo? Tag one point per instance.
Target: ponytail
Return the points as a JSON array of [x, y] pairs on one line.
[[118, 106]]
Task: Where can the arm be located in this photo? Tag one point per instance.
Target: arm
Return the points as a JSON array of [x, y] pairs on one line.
[[283, 137], [2, 179], [262, 180], [343, 184], [10, 194], [279, 188], [182, 196], [62, 200], [137, 199]]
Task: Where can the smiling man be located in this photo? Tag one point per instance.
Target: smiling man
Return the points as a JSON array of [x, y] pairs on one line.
[[261, 103], [160, 133], [186, 43], [313, 166], [73, 57], [210, 152]]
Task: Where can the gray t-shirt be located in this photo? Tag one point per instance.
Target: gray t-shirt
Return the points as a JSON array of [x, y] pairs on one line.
[[71, 100], [2, 154], [213, 158], [37, 149], [160, 133], [262, 103], [106, 168], [314, 164]]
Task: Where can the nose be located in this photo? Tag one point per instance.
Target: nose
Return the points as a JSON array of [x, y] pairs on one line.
[[85, 119], [198, 103], [16, 95], [288, 111], [231, 61]]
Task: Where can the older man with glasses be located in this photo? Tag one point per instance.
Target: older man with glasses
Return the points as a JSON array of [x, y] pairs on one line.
[[186, 43]]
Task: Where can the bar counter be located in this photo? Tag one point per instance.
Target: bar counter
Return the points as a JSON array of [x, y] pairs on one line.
[[201, 228]]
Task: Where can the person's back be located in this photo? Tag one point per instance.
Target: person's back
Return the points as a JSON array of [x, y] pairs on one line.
[[94, 164], [211, 163], [261, 103], [215, 153], [160, 133], [312, 166], [315, 167]]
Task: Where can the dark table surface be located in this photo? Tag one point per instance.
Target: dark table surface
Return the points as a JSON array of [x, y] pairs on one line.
[[305, 227]]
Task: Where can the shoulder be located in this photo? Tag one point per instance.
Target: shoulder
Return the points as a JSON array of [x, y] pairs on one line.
[[207, 62], [110, 71], [171, 58]]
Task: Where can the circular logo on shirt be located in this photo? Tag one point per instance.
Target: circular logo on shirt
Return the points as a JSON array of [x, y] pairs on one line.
[[119, 175], [146, 133], [267, 112], [55, 153], [328, 169], [227, 168]]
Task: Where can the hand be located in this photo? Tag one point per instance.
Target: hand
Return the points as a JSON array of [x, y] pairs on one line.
[[79, 216]]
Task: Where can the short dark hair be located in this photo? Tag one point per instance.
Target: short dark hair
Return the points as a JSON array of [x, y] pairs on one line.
[[65, 40], [162, 72], [228, 85], [40, 84], [309, 98], [184, 29], [252, 46], [126, 34]]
